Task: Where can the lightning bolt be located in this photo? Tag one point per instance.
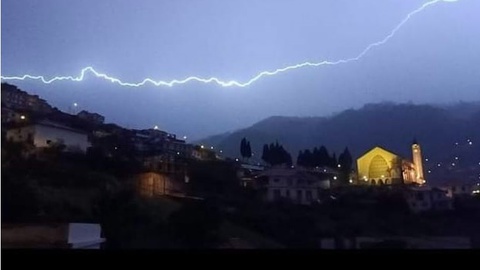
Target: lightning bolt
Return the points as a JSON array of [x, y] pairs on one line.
[[231, 82]]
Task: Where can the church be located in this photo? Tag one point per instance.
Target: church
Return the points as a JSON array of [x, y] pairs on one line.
[[380, 166]]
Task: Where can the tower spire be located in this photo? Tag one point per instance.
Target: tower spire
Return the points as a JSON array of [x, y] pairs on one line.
[[418, 161]]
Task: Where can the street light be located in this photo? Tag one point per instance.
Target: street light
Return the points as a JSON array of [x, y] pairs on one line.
[[22, 117]]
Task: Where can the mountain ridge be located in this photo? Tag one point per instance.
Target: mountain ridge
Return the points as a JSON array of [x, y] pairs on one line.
[[389, 125]]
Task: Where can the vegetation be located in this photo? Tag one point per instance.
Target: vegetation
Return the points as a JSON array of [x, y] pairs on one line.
[[275, 154], [245, 149]]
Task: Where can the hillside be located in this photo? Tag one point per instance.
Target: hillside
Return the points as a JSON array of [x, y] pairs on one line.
[[392, 126]]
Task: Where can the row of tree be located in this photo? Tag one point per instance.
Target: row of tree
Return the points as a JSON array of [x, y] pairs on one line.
[[245, 149], [275, 154], [318, 157]]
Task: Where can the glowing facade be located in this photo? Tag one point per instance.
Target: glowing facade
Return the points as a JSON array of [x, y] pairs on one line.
[[417, 160], [379, 166]]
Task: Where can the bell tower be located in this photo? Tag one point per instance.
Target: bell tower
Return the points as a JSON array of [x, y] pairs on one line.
[[418, 161]]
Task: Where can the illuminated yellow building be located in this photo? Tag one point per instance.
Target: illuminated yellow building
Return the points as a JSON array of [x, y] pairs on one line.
[[379, 166]]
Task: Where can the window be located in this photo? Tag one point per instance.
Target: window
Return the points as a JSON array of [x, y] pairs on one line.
[[299, 194], [308, 195], [290, 181], [30, 137], [276, 194]]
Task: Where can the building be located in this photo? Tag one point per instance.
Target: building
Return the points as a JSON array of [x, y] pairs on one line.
[[59, 236], [152, 184], [93, 118], [421, 199], [459, 188], [13, 116], [247, 173], [16, 99], [379, 166], [47, 133], [296, 185], [151, 142], [199, 152], [397, 242]]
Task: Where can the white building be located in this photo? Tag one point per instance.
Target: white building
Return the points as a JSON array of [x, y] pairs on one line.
[[299, 186], [459, 188], [422, 199], [47, 133], [52, 236], [85, 236]]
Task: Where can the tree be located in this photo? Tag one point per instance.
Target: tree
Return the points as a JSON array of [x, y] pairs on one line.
[[300, 159], [243, 147], [345, 160], [248, 150], [323, 156], [265, 153], [275, 154], [333, 161]]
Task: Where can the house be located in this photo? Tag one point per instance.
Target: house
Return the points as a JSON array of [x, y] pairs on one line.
[[16, 99], [47, 133], [13, 116], [93, 118], [294, 184], [155, 142], [153, 184], [422, 199], [397, 242], [247, 173], [58, 235], [199, 152], [459, 188]]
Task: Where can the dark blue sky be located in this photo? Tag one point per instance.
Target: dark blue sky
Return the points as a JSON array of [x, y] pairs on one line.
[[433, 58]]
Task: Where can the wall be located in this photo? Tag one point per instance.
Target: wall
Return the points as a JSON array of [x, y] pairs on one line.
[[41, 134], [69, 138], [295, 187], [364, 162]]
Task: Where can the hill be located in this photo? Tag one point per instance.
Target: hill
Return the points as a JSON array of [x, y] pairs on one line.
[[443, 131]]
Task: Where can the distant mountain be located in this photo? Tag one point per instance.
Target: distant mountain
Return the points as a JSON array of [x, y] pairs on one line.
[[393, 126]]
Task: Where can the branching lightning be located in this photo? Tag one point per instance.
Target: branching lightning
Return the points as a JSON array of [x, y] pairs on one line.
[[231, 82]]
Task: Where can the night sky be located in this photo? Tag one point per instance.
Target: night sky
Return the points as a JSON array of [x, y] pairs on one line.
[[433, 58]]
